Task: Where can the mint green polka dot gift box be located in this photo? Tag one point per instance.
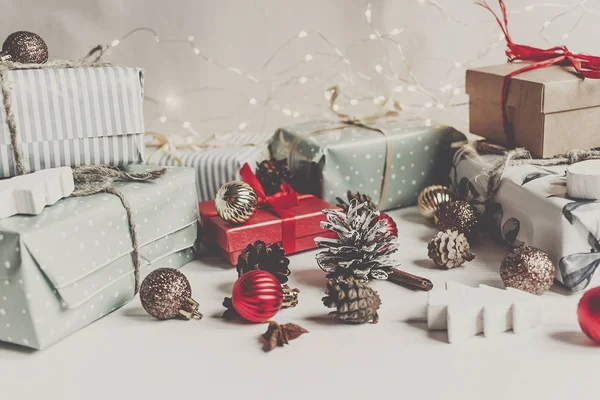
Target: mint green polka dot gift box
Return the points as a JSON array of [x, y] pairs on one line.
[[391, 160], [72, 264]]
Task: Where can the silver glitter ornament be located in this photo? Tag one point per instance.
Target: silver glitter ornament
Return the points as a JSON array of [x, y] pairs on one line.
[[236, 202], [166, 293], [24, 47], [528, 269]]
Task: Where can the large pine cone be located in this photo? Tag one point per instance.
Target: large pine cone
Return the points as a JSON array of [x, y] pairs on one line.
[[360, 198], [266, 258], [272, 174], [356, 303], [449, 249]]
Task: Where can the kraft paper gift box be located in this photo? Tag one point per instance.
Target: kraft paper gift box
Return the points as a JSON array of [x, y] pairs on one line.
[[230, 240], [391, 161], [531, 207], [551, 110], [72, 264], [74, 116], [216, 161]]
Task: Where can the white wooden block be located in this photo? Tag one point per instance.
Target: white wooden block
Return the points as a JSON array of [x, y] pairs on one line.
[[527, 310], [497, 311], [583, 180], [465, 312], [29, 194], [437, 305]]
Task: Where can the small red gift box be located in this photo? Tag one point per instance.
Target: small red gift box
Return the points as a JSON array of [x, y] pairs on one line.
[[287, 218], [265, 226]]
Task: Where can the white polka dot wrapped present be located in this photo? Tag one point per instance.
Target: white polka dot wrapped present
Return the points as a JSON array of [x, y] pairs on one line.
[[72, 264], [391, 160]]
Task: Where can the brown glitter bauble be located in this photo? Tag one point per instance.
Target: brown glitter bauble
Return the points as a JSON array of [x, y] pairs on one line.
[[166, 293], [236, 202], [528, 269], [458, 216], [24, 47]]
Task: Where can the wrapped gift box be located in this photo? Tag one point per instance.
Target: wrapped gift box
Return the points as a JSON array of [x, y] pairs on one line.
[[72, 264], [75, 116], [531, 208], [266, 226], [329, 158], [218, 161], [551, 110]]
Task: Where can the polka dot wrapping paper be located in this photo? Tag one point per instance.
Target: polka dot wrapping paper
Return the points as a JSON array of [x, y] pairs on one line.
[[70, 265], [329, 158], [532, 208]]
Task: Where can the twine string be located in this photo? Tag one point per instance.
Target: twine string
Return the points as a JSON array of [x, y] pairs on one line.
[[92, 179]]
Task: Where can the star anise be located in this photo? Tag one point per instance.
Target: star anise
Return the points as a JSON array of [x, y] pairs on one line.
[[279, 335]]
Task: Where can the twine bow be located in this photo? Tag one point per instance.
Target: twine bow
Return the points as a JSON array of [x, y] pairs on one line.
[[169, 145], [364, 122], [585, 65]]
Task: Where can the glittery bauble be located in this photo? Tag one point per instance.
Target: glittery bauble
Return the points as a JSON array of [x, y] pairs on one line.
[[257, 296], [166, 293], [432, 198], [236, 202], [458, 216], [588, 314], [528, 269], [390, 224], [24, 47]]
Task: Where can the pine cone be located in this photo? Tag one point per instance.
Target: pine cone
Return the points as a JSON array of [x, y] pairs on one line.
[[356, 303], [272, 173], [360, 198], [449, 249], [266, 258], [363, 246]]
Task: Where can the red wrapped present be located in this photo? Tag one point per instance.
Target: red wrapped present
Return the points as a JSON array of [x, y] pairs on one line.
[[288, 218]]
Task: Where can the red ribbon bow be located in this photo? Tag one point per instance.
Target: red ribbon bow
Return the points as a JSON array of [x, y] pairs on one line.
[[585, 65], [277, 204]]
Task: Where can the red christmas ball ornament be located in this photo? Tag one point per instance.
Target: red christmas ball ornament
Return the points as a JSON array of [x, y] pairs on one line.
[[588, 314], [390, 224], [257, 296]]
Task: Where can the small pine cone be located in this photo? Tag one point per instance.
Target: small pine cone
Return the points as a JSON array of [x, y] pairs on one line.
[[266, 258], [356, 303], [449, 249], [360, 198], [272, 174]]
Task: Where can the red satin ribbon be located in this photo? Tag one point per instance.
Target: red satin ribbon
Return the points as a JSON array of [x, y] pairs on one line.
[[278, 205], [585, 65]]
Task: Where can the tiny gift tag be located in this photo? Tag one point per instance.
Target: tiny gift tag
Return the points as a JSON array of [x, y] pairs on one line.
[[29, 194], [583, 180]]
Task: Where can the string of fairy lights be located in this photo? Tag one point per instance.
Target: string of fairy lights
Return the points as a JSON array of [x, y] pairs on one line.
[[394, 68]]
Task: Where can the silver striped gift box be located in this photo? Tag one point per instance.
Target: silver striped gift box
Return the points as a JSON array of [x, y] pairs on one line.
[[220, 160], [75, 116]]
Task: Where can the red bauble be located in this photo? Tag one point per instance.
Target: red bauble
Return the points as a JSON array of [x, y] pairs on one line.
[[257, 296], [588, 314], [390, 224]]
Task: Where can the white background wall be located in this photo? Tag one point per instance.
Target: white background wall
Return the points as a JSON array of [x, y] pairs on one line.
[[438, 39]]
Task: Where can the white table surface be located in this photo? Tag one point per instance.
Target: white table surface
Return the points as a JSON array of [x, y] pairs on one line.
[[129, 355]]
